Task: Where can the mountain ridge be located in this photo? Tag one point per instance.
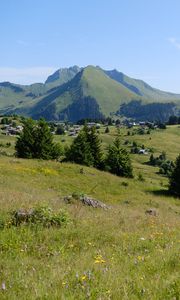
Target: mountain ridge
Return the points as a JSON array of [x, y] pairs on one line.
[[69, 93]]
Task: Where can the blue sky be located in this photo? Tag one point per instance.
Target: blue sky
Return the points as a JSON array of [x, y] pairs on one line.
[[138, 37]]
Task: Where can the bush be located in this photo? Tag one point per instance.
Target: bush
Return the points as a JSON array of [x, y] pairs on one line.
[[166, 168], [140, 177], [162, 126], [43, 216], [5, 121]]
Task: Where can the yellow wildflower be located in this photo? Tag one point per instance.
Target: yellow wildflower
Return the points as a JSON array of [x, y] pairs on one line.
[[83, 277]]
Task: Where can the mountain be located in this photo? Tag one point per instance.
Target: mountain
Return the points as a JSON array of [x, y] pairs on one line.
[[62, 76], [141, 88], [90, 94], [75, 93], [14, 96]]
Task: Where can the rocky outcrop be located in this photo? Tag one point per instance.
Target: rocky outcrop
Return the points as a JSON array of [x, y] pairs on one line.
[[86, 200]]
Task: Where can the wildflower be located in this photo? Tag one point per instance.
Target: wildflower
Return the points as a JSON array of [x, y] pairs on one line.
[[83, 277], [99, 259], [140, 258], [3, 286]]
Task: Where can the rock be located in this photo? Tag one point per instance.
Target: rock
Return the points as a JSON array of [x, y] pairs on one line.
[[86, 200], [68, 199], [93, 202], [3, 286], [151, 212], [22, 216]]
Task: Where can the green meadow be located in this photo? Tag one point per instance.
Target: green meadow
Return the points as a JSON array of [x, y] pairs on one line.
[[118, 253]]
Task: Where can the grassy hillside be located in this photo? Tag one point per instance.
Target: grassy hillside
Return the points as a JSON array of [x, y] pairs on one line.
[[108, 93], [121, 253], [20, 98], [142, 88]]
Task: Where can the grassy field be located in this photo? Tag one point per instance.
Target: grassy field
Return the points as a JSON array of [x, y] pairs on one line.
[[120, 253]]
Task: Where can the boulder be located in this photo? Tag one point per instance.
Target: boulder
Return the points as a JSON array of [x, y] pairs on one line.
[[86, 200], [22, 216], [93, 202]]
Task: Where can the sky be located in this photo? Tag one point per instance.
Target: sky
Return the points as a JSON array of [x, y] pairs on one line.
[[140, 38]]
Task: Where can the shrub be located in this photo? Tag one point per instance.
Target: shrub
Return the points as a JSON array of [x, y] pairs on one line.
[[124, 183], [5, 121], [166, 168], [140, 177], [44, 216]]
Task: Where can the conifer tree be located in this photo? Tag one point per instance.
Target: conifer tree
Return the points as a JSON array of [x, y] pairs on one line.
[[36, 141], [107, 130], [174, 179], [43, 140], [79, 151], [95, 147], [25, 142], [118, 161]]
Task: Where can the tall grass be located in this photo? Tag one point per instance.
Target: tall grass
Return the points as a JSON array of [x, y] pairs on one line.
[[121, 253]]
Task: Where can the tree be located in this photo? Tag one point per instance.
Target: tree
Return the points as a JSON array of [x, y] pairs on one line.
[[173, 120], [79, 151], [86, 149], [174, 178], [36, 141], [5, 121], [107, 130], [118, 161], [25, 142], [95, 146], [162, 126], [152, 160], [60, 130]]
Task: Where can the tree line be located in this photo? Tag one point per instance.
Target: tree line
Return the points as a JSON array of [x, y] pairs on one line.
[[36, 141]]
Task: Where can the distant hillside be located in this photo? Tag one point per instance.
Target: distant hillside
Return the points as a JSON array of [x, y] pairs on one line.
[[141, 88], [91, 92]]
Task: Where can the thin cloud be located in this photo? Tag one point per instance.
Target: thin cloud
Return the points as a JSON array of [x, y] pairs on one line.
[[26, 75], [175, 42], [27, 44]]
